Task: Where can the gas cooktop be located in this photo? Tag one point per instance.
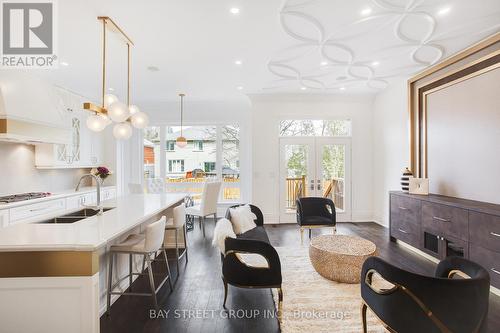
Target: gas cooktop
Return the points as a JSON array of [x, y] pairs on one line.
[[23, 197]]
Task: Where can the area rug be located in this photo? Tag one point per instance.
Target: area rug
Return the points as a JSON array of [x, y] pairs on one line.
[[312, 303]]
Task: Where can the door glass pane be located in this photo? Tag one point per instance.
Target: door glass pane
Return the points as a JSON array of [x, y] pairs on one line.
[[333, 174], [231, 186], [152, 152], [296, 157]]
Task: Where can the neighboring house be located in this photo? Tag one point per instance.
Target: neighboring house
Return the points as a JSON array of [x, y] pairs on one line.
[[200, 152]]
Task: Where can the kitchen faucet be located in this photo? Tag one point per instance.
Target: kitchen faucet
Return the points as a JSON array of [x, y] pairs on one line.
[[98, 207]]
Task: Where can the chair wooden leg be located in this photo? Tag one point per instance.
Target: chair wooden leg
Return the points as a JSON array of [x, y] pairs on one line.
[[203, 225], [301, 236], [143, 263], [363, 316], [280, 304], [176, 252], [310, 233], [225, 293], [168, 270], [152, 283], [110, 283]]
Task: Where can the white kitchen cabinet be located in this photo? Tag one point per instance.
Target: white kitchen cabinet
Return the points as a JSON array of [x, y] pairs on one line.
[[28, 212], [83, 150], [4, 218]]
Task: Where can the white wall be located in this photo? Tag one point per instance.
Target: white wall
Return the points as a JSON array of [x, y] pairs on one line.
[[390, 145], [267, 111], [18, 172]]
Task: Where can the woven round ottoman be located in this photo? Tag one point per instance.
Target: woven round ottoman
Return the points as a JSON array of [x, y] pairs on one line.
[[340, 257]]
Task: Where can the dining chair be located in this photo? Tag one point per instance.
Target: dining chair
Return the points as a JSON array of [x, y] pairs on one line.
[[156, 185], [208, 204]]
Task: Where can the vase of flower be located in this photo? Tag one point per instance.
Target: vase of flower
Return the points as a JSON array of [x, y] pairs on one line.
[[102, 173]]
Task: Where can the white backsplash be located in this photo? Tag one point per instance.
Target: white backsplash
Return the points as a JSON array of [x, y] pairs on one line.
[[18, 173]]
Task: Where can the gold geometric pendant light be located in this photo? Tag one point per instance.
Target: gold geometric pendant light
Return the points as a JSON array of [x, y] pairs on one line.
[[111, 109]]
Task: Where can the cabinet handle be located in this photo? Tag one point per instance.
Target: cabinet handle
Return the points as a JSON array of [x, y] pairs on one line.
[[494, 234], [403, 231], [495, 271], [440, 219], [403, 208]]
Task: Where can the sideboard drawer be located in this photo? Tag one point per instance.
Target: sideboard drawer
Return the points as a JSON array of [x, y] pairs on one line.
[[405, 209], [445, 220], [406, 231], [490, 260], [484, 230]]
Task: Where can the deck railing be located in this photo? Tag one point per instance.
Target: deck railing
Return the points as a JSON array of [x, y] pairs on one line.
[[295, 188]]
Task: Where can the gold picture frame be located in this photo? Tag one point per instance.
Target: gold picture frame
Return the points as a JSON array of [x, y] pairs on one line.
[[471, 62]]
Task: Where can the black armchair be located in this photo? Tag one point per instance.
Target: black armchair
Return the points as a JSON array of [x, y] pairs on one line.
[[240, 274], [315, 212], [416, 303]]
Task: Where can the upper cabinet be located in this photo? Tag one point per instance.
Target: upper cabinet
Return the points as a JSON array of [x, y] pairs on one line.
[[84, 146]]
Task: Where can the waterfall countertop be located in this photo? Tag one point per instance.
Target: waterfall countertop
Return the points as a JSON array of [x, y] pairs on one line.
[[90, 233]]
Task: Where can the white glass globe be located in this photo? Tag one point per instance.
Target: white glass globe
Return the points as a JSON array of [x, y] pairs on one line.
[[181, 142], [140, 120], [109, 99], [122, 131], [118, 112], [133, 109], [97, 122]]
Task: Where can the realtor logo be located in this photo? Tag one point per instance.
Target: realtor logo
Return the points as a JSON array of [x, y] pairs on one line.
[[28, 30]]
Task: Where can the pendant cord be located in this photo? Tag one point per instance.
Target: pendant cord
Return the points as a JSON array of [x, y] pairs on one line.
[[103, 61], [128, 74]]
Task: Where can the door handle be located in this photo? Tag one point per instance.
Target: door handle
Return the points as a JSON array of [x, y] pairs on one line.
[[403, 231], [495, 271], [440, 219], [403, 208], [494, 234]]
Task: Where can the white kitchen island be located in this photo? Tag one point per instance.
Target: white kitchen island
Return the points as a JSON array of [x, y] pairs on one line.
[[53, 276]]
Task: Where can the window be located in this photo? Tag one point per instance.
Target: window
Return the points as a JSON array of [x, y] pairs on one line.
[[175, 166], [170, 146], [231, 162], [209, 166], [152, 152], [217, 150], [198, 145], [315, 128]]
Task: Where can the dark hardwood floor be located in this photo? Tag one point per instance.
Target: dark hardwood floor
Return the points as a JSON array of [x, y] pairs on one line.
[[195, 305]]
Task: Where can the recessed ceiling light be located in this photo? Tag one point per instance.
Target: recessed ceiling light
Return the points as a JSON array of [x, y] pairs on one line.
[[303, 88], [235, 11], [342, 88], [324, 63], [111, 89], [153, 68], [375, 63], [367, 11], [239, 87], [444, 11], [341, 78], [238, 62], [64, 63]]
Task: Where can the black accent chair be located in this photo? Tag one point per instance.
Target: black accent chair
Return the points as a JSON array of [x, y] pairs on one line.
[[416, 303], [239, 274], [315, 212]]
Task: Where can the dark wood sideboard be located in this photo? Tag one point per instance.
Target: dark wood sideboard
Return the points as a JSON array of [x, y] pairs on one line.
[[444, 226]]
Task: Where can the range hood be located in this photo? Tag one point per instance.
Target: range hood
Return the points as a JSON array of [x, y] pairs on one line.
[[31, 110]]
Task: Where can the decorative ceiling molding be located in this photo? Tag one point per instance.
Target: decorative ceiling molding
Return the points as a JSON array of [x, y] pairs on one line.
[[408, 34]]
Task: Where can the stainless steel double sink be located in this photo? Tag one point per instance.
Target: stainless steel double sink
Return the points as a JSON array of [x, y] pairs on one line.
[[74, 217]]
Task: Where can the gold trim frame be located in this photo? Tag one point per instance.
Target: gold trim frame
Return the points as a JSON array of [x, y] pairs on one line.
[[439, 77]]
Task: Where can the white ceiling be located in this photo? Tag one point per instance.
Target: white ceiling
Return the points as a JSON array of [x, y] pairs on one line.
[[281, 44]]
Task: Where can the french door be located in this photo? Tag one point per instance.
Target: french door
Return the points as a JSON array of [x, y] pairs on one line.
[[315, 167]]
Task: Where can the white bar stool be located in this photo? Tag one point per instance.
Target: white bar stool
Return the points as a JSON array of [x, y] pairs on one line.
[[146, 244], [177, 224]]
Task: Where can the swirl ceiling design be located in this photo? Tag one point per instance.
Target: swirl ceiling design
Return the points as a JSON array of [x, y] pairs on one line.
[[360, 45]]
